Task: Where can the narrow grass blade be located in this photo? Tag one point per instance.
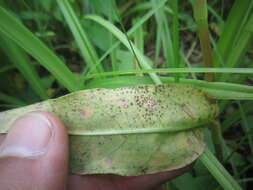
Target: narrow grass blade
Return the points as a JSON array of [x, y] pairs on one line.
[[138, 41], [11, 100], [115, 31], [13, 29], [139, 37], [113, 54], [142, 20], [218, 171], [87, 50], [239, 49], [7, 68], [18, 57], [174, 70], [235, 117], [120, 81], [233, 23], [218, 90], [230, 95], [163, 28], [175, 35]]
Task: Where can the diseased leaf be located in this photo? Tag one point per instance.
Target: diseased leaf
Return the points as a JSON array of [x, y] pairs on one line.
[[130, 130]]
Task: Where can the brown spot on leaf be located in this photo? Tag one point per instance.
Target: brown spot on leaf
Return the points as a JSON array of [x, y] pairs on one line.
[[86, 112]]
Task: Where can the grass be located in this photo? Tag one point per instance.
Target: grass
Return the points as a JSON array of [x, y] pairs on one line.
[[50, 48]]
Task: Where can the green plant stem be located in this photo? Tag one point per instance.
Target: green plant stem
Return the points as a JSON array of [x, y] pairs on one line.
[[200, 15]]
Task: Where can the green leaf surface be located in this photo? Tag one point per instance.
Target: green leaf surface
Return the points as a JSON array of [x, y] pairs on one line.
[[130, 130]]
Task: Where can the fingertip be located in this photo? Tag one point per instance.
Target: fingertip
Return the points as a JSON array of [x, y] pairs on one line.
[[41, 136]]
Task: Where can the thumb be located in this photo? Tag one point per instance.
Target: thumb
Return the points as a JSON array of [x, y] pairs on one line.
[[34, 154]]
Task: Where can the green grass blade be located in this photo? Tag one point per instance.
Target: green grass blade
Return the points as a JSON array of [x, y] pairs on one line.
[[18, 57], [138, 8], [87, 50], [229, 95], [142, 20], [239, 49], [138, 41], [139, 37], [142, 80], [162, 27], [223, 92], [175, 35], [218, 90], [7, 68], [173, 70], [11, 100], [233, 23], [235, 117], [118, 34], [218, 171], [185, 57], [113, 54], [13, 29]]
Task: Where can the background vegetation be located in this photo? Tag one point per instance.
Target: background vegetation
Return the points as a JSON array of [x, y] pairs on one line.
[[49, 48]]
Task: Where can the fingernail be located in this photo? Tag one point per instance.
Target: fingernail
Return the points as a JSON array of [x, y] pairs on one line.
[[28, 137]]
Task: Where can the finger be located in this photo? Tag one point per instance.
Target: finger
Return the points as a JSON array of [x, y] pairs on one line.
[[158, 188], [154, 180], [114, 182], [34, 154], [2, 137]]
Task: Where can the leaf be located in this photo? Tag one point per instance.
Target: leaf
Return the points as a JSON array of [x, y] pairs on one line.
[[130, 130]]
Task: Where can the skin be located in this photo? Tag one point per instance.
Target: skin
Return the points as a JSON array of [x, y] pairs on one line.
[[50, 170]]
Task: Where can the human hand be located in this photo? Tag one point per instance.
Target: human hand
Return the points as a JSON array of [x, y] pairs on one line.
[[34, 156]]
